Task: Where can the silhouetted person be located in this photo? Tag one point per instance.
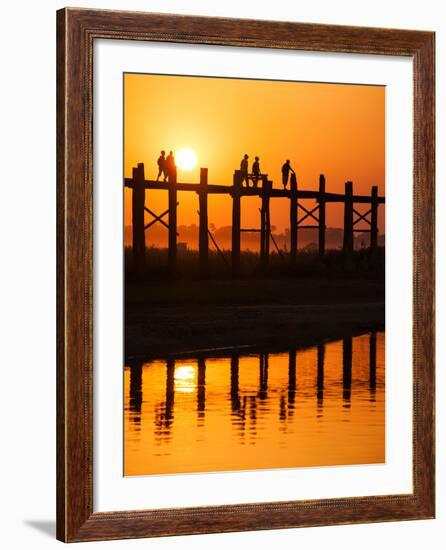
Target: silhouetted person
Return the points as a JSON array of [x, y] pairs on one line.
[[255, 171], [170, 165], [244, 170], [286, 169], [162, 166]]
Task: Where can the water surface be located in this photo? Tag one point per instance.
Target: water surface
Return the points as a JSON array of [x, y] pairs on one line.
[[313, 407]]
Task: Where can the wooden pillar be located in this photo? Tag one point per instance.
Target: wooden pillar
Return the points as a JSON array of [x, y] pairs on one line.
[[321, 215], [269, 186], [236, 192], [374, 221], [265, 224], [262, 234], [203, 238], [172, 254], [348, 219], [293, 221], [138, 200]]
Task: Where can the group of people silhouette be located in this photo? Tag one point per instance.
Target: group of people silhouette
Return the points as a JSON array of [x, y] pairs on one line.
[[166, 166], [256, 173]]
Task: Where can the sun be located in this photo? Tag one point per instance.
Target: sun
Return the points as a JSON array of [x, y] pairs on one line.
[[184, 378], [186, 159]]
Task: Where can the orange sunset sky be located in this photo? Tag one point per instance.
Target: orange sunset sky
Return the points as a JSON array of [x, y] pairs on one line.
[[337, 130]]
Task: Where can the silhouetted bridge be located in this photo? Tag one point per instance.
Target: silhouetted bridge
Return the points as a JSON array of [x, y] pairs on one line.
[[297, 211]]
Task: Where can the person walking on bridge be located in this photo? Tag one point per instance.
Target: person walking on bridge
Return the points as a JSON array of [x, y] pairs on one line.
[[244, 170], [286, 169], [162, 166], [256, 171], [170, 166]]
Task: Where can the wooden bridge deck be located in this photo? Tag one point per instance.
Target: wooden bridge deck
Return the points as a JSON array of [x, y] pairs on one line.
[[252, 191]]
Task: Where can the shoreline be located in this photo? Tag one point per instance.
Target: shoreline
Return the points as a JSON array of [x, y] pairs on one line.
[[187, 331], [184, 316]]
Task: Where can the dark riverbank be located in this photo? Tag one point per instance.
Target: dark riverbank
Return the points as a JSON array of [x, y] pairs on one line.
[[184, 316]]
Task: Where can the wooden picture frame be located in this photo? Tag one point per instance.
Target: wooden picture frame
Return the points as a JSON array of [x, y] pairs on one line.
[[77, 29]]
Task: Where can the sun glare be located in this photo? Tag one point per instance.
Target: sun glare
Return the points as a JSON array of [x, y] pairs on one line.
[[184, 378], [186, 159]]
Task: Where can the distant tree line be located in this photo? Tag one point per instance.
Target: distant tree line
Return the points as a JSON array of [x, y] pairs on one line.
[[308, 238]]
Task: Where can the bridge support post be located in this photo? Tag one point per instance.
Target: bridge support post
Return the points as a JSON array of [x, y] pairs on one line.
[[348, 220], [374, 222], [262, 234], [265, 224], [203, 240], [138, 200], [236, 193], [293, 221], [172, 254], [321, 215]]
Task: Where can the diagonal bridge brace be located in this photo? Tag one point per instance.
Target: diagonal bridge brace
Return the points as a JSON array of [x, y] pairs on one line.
[[362, 216], [157, 218], [309, 213]]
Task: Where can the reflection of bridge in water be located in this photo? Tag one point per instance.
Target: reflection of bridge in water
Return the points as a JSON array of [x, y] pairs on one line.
[[245, 409]]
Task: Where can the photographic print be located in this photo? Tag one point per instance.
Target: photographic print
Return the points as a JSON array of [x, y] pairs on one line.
[[245, 275], [254, 261]]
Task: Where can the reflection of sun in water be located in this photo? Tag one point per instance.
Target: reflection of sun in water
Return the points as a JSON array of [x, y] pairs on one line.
[[186, 159], [185, 378]]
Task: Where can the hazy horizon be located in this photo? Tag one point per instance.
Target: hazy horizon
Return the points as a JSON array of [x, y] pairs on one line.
[[157, 236]]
